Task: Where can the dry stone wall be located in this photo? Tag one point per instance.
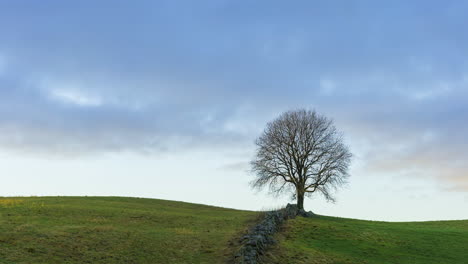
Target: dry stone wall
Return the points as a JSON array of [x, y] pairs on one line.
[[261, 236]]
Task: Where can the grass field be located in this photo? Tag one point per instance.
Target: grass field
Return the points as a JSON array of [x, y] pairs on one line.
[[115, 230], [343, 241], [132, 230]]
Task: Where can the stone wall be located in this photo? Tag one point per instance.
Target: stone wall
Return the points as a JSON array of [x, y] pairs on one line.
[[261, 235]]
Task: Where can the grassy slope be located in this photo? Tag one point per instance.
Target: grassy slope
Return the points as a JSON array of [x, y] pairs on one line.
[[338, 240], [115, 230]]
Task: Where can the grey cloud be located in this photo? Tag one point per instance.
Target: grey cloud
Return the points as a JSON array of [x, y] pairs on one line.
[[166, 76], [236, 167], [425, 150]]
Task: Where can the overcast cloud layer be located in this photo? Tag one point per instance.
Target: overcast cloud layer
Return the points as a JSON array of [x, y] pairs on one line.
[[90, 77]]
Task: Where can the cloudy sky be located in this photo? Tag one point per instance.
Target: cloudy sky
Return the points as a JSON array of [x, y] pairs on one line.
[[164, 99]]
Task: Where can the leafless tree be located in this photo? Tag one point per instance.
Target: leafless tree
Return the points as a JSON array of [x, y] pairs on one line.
[[301, 152]]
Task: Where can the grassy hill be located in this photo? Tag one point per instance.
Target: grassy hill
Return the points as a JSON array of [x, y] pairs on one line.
[[343, 241], [115, 230], [132, 230]]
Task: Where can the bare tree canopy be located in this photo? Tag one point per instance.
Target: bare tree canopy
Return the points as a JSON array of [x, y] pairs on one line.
[[301, 152]]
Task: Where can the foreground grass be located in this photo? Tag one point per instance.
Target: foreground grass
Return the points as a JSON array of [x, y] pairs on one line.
[[115, 230], [344, 241]]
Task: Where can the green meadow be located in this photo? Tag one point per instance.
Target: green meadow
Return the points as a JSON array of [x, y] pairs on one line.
[[110, 230], [333, 240], [116, 230]]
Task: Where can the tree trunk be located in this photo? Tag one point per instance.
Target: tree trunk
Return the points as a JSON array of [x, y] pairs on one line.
[[300, 200]]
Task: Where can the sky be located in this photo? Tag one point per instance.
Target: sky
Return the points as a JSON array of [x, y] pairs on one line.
[[164, 99]]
